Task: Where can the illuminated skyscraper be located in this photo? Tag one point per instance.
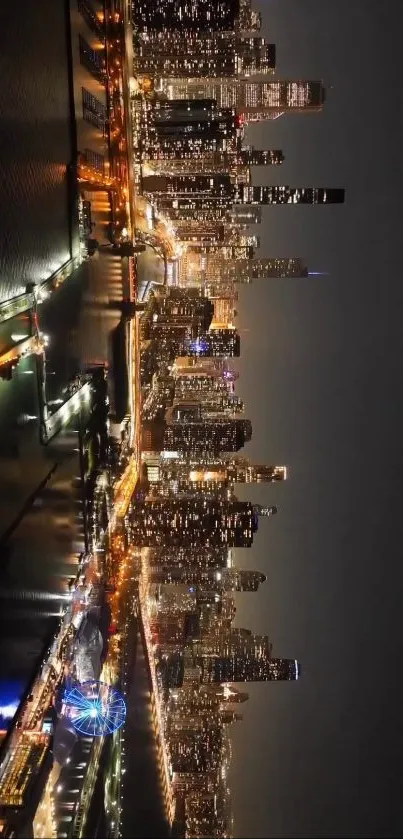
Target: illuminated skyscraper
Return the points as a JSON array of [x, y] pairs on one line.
[[218, 269], [218, 342], [209, 55], [219, 472], [246, 668], [204, 436], [197, 16], [224, 579], [181, 191], [194, 522], [287, 195], [180, 129], [254, 100], [220, 162], [240, 214]]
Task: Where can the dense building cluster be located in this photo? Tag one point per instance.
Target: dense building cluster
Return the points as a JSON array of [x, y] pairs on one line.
[[187, 519], [207, 74]]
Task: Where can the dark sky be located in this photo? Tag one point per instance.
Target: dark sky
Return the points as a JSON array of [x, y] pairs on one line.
[[322, 374]]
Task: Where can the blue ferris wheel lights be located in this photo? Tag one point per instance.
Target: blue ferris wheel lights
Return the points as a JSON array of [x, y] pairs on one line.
[[95, 708]]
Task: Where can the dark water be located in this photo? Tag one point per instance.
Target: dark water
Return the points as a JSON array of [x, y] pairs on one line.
[[35, 142], [35, 231]]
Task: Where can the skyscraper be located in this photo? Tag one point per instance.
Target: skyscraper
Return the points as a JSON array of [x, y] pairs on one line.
[[287, 195], [218, 342], [193, 522], [246, 668], [197, 16], [214, 436], [220, 162], [254, 100], [208, 55], [219, 269], [219, 472], [217, 579]]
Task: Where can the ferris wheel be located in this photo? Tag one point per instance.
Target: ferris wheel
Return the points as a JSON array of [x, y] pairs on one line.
[[95, 708]]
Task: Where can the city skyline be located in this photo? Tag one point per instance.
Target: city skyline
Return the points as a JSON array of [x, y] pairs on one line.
[[200, 281]]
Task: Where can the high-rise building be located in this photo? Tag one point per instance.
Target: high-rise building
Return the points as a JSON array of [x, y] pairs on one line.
[[246, 668], [197, 16], [208, 55], [188, 558], [248, 20], [218, 342], [217, 579], [180, 129], [219, 270], [218, 195], [194, 522], [244, 214], [214, 436], [250, 666], [287, 195], [254, 100], [218, 472], [220, 162]]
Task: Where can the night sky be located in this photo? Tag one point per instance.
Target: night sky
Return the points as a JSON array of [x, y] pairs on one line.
[[322, 375]]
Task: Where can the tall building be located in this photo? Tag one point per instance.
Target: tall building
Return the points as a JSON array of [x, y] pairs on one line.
[[218, 342], [243, 214], [181, 128], [196, 16], [219, 269], [219, 188], [246, 668], [287, 195], [220, 162], [221, 579], [214, 436], [194, 522], [250, 666], [178, 193], [219, 472], [209, 55], [254, 100], [192, 558]]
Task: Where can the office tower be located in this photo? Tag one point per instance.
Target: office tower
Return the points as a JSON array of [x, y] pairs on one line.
[[204, 819], [219, 188], [196, 436], [181, 128], [221, 162], [224, 310], [249, 666], [194, 522], [254, 100], [207, 435], [219, 269], [221, 579], [209, 55], [217, 342], [188, 558], [194, 743], [244, 214], [287, 195], [215, 185], [217, 200], [246, 668], [197, 16], [218, 472], [248, 19]]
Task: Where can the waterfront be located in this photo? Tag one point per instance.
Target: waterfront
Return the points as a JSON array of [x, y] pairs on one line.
[[35, 144]]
